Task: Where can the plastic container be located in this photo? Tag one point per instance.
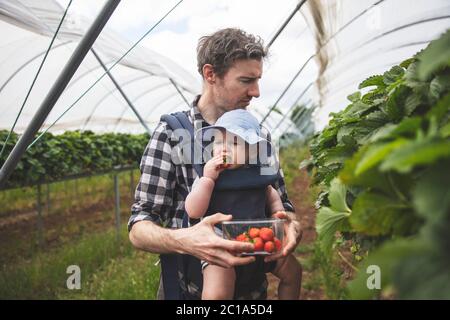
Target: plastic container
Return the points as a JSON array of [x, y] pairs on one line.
[[266, 234]]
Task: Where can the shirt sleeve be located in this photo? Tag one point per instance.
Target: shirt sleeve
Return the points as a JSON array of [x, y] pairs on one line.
[[154, 193], [279, 184]]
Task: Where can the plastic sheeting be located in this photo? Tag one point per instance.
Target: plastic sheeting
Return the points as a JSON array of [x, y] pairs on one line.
[[356, 38], [144, 75], [368, 37]]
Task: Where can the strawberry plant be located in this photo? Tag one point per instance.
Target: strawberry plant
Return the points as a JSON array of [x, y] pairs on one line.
[[384, 164], [72, 153]]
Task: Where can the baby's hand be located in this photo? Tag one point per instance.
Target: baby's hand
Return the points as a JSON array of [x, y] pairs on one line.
[[214, 167]]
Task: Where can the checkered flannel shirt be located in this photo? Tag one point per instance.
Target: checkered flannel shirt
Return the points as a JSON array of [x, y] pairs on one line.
[[162, 187]]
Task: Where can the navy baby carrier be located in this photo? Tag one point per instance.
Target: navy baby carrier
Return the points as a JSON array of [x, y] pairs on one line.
[[181, 274]]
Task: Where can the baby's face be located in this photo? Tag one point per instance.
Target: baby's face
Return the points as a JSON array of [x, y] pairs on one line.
[[232, 147]]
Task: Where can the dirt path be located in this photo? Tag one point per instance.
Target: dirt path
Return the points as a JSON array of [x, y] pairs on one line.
[[300, 195]]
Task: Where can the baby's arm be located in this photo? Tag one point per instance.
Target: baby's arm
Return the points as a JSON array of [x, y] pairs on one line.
[[274, 200], [197, 201]]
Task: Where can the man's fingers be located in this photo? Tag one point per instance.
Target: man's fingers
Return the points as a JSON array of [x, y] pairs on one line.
[[216, 218], [273, 257], [219, 262], [238, 261], [227, 260], [235, 246]]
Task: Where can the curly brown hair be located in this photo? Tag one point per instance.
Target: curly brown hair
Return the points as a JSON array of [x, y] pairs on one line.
[[222, 48]]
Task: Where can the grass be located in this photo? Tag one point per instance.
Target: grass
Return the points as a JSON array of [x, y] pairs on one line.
[[65, 194], [110, 268], [290, 159], [69, 218]]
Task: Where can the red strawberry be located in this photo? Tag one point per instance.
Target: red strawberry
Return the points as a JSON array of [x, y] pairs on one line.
[[277, 243], [258, 243], [269, 246], [242, 237], [253, 233], [266, 234]]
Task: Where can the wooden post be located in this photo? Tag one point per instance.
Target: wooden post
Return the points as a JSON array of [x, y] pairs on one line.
[[117, 201], [132, 186], [39, 222], [48, 199]]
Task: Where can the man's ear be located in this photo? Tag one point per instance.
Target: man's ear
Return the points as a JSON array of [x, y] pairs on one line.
[[209, 74]]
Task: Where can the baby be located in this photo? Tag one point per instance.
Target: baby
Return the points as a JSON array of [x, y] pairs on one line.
[[236, 136]]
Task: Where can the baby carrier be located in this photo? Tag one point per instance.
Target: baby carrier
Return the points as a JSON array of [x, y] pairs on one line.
[[241, 192]]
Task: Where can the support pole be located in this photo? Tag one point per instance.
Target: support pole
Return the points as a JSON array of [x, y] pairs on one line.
[[297, 8], [181, 93], [124, 96], [292, 107], [57, 89]]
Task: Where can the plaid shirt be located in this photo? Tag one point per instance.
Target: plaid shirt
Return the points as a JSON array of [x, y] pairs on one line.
[[163, 185]]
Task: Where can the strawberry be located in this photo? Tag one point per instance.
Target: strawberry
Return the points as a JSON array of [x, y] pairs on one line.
[[242, 237], [258, 243], [277, 243], [253, 232], [266, 234], [269, 246]]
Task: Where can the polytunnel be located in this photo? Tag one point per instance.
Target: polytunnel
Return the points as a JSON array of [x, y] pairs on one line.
[[354, 93]]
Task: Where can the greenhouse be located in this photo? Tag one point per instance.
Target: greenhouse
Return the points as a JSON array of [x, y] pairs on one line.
[[354, 97]]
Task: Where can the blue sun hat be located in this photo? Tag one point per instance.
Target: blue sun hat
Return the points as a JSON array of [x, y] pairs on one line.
[[239, 122]]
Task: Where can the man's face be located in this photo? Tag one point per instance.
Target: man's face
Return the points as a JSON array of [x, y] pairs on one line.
[[239, 85]]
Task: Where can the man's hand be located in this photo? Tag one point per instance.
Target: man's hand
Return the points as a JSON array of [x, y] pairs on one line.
[[201, 241], [292, 237]]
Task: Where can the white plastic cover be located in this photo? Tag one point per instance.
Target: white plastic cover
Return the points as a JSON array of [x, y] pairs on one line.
[[358, 38]]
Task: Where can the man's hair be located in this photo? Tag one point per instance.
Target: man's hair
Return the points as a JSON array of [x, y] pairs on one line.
[[222, 48]]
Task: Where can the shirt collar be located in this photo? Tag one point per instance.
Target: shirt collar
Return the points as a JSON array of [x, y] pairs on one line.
[[196, 116]]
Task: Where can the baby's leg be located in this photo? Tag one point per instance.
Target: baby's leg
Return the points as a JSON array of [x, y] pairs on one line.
[[218, 283], [289, 271]]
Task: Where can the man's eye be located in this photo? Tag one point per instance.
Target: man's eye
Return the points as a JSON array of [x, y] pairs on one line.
[[245, 81]]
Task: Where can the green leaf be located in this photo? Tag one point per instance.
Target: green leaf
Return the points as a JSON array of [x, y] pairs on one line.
[[406, 128], [439, 86], [394, 74], [372, 81], [406, 63], [371, 178], [435, 56], [411, 103], [445, 131], [376, 214], [376, 153], [328, 222], [415, 153], [354, 96], [431, 195], [387, 258], [441, 110], [396, 102], [337, 196]]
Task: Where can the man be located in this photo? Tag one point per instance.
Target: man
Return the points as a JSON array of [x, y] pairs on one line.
[[230, 62]]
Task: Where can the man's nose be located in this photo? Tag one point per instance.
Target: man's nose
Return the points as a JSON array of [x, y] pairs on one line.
[[254, 90]]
